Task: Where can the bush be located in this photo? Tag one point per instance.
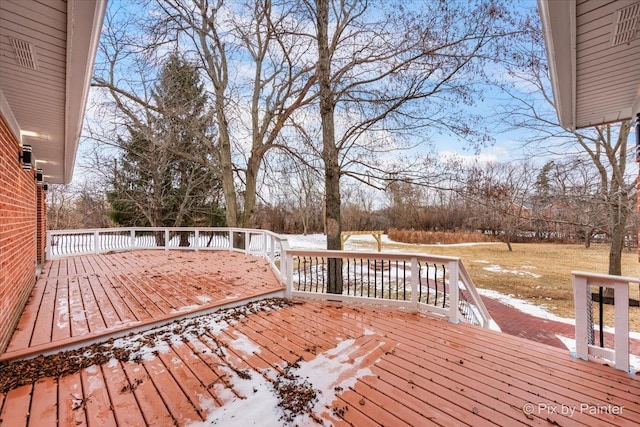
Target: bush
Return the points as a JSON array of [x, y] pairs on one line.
[[435, 237]]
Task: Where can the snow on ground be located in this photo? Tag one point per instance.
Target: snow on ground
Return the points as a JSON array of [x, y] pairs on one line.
[[244, 344], [524, 306], [538, 310], [495, 268], [309, 241], [319, 241], [634, 361]]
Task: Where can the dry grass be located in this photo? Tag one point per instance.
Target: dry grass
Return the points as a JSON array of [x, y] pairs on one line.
[[435, 237], [536, 272]]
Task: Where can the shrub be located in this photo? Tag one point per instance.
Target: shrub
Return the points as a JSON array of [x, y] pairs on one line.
[[435, 237]]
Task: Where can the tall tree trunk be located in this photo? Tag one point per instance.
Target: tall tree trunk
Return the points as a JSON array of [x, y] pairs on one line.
[[226, 165], [617, 243], [253, 167], [329, 149]]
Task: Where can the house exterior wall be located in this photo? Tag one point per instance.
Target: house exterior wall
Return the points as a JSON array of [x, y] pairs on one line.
[[18, 222], [41, 231]]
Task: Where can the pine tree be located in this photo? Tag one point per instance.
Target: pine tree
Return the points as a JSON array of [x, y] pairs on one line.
[[167, 175]]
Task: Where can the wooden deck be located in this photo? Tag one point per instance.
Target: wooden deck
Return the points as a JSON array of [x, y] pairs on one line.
[[275, 363], [84, 298]]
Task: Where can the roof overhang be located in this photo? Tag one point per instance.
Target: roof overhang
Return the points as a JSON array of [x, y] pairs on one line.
[[593, 51], [47, 52]]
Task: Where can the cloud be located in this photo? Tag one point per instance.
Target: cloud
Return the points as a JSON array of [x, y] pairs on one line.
[[493, 154]]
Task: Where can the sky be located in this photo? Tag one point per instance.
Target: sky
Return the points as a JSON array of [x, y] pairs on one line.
[[508, 146]]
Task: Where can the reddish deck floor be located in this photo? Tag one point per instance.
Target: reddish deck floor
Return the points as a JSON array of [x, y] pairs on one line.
[[311, 363], [84, 298], [372, 367]]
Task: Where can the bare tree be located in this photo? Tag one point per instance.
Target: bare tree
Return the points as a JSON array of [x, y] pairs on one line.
[[255, 62], [77, 206], [604, 147], [500, 193], [567, 201], [61, 214], [386, 73]]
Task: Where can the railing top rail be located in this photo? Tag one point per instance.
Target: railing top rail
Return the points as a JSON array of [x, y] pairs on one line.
[[471, 288], [606, 277], [91, 230], [276, 236], [358, 254]]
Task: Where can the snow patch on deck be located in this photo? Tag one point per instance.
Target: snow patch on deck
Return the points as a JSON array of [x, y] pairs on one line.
[[328, 373]]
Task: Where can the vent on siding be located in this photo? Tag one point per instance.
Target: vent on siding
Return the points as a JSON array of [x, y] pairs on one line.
[[625, 24], [25, 53]]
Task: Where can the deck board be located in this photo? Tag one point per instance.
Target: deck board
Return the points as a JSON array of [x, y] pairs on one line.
[[151, 405], [24, 330], [417, 377], [71, 410], [182, 409], [399, 368], [15, 408], [43, 403], [61, 328], [125, 406], [95, 294], [44, 318], [96, 397]]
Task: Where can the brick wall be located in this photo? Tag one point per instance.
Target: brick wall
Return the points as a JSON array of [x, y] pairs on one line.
[[41, 230], [18, 219]]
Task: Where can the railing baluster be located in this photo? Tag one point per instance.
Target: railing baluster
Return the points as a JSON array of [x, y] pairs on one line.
[[404, 280], [444, 288], [375, 278], [420, 281], [369, 278], [435, 282], [348, 278]]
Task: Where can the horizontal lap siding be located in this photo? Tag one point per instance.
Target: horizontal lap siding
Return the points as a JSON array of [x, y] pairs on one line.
[[18, 216]]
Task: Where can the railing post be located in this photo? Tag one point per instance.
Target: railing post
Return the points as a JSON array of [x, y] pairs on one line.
[[96, 242], [231, 244], [582, 297], [287, 270], [621, 325], [415, 282], [166, 239], [49, 245], [247, 242], [197, 237], [453, 292], [132, 240]]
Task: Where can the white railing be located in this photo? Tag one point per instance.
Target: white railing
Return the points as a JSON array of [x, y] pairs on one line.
[[64, 243], [415, 281], [585, 347]]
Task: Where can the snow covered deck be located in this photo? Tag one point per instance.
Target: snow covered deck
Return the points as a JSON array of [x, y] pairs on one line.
[[276, 362]]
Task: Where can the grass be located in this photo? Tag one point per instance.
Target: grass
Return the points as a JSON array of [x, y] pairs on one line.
[[536, 272]]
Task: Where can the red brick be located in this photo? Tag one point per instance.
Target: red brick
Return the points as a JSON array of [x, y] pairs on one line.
[[18, 224]]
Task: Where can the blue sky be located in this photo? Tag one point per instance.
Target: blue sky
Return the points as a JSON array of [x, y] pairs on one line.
[[507, 146]]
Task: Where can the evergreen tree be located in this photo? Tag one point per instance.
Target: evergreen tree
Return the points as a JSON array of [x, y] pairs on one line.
[[166, 175]]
